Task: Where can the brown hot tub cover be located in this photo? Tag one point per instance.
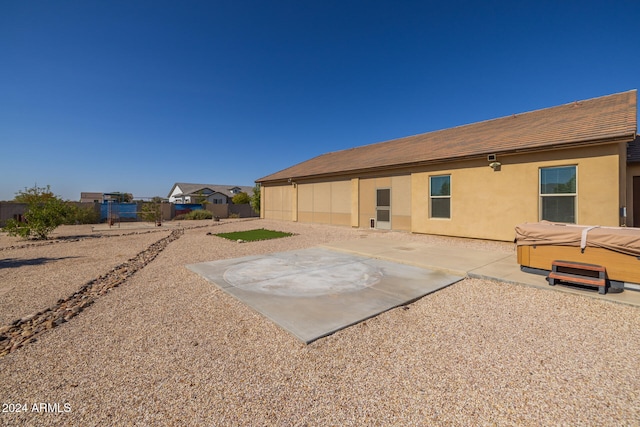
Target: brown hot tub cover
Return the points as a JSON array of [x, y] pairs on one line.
[[625, 240]]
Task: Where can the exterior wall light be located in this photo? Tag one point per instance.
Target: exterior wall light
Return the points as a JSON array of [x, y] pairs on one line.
[[493, 162]]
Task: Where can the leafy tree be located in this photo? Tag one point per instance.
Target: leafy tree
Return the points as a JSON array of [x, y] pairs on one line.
[[241, 199], [255, 199], [445, 189], [151, 211], [198, 197], [566, 187], [45, 212]]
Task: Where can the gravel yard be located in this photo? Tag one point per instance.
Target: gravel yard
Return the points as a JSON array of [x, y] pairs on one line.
[[168, 348]]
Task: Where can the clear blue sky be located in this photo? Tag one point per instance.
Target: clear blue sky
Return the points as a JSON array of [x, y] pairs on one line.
[[134, 96]]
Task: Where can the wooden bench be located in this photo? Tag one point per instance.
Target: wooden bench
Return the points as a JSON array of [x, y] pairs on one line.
[[579, 273]]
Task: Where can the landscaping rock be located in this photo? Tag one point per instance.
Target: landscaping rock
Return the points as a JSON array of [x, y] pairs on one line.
[[22, 331]]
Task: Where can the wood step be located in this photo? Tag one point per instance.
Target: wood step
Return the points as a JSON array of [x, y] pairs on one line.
[[578, 273]]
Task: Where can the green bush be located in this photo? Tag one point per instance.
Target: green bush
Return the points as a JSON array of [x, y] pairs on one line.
[[45, 212], [255, 199], [199, 214], [241, 199], [81, 215]]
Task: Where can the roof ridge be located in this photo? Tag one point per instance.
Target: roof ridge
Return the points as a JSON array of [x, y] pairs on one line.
[[600, 118], [513, 115]]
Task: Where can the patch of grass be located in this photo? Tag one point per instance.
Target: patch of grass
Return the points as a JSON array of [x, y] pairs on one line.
[[253, 235]]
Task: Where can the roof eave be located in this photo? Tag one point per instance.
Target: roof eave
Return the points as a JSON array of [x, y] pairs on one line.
[[625, 137]]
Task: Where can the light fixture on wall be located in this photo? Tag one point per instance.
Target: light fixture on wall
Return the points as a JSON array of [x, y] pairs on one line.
[[493, 162]]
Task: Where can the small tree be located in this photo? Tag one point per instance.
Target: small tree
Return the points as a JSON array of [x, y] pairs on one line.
[[255, 199], [126, 198], [45, 212], [199, 197], [241, 199], [152, 211]]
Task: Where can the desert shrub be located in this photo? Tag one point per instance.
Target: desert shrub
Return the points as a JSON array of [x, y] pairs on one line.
[[81, 215], [199, 214], [45, 212], [234, 215]]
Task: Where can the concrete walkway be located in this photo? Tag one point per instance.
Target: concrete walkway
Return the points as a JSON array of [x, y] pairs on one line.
[[468, 262]]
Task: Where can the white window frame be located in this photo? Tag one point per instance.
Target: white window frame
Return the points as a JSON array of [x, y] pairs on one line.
[[439, 197], [574, 195]]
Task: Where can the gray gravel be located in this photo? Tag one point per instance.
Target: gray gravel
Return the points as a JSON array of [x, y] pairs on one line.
[[168, 348]]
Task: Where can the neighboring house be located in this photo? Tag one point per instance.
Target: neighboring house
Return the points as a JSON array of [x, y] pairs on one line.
[[216, 194], [11, 210], [91, 197], [574, 163]]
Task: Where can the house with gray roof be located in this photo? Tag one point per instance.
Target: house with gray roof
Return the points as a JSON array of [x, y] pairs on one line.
[[216, 194]]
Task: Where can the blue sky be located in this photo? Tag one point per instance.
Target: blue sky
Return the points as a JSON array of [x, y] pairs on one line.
[[134, 96]]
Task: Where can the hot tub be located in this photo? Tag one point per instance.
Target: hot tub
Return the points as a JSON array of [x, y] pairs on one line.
[[615, 248]]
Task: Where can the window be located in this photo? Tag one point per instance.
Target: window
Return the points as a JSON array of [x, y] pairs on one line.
[[440, 194], [558, 194]]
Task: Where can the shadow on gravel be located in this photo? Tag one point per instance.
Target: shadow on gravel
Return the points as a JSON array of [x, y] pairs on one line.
[[17, 262]]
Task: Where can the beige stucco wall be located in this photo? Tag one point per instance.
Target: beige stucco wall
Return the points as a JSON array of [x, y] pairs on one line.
[[355, 202], [485, 204], [325, 202], [488, 205], [277, 202], [401, 202], [400, 186]]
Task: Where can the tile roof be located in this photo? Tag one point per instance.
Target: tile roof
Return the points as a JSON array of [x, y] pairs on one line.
[[588, 121]]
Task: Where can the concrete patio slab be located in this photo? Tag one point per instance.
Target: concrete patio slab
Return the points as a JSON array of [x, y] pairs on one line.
[[450, 259], [315, 292], [498, 266]]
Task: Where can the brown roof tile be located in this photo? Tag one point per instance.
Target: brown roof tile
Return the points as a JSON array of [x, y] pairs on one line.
[[593, 120]]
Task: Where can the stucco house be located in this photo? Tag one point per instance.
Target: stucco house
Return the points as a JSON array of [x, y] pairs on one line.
[[575, 163], [88, 197], [216, 194]]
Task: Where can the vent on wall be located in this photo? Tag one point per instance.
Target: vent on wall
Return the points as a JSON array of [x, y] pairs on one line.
[[492, 157], [372, 223]]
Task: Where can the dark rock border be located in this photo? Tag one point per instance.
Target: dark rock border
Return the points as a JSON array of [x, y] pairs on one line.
[[25, 330]]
